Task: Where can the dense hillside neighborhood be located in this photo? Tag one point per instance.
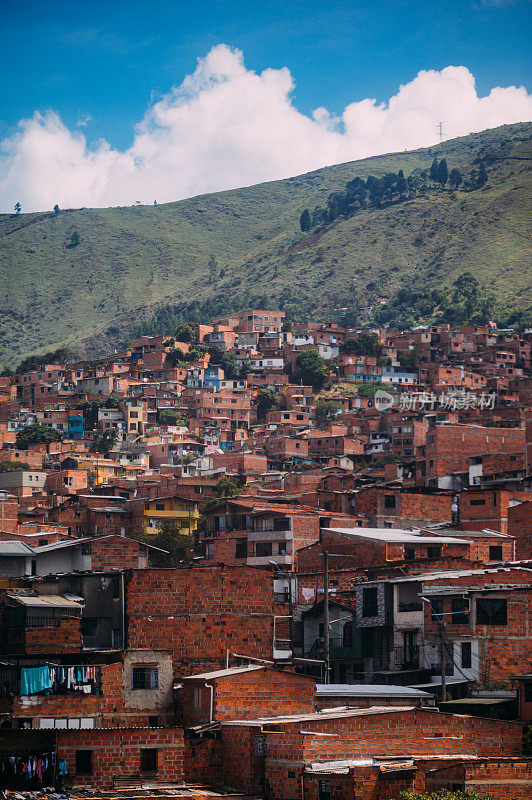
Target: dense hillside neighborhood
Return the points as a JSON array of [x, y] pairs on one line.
[[257, 559]]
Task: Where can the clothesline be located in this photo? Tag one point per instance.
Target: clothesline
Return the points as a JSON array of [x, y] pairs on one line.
[[59, 679], [27, 771]]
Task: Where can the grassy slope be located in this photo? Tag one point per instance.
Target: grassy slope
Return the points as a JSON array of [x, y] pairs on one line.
[[130, 259]]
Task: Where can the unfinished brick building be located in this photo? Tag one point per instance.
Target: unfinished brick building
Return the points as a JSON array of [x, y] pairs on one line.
[[201, 613]]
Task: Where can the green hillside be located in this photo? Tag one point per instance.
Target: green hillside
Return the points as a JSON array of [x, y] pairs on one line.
[[131, 262]]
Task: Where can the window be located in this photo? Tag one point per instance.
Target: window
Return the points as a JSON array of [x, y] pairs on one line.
[[153, 722], [460, 610], [241, 548], [324, 790], [159, 506], [209, 550], [389, 501], [196, 698], [72, 723], [148, 760], [491, 611], [83, 762], [263, 549], [369, 602], [496, 552], [528, 691], [477, 501], [433, 552], [410, 552], [145, 678], [466, 655]]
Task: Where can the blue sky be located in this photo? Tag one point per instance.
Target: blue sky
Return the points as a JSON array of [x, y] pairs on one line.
[[109, 60], [109, 103]]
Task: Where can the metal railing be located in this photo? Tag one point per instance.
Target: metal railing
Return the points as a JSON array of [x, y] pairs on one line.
[[42, 622]]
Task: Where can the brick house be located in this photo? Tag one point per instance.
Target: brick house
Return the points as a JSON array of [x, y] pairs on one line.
[[244, 692], [520, 527], [103, 690], [449, 448], [483, 617], [201, 613], [272, 755]]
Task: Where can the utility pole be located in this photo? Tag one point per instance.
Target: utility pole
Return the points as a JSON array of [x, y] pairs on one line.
[[326, 648], [440, 131], [442, 660], [441, 634]]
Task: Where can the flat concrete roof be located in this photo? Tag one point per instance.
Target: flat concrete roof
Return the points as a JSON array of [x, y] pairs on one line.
[[394, 536]]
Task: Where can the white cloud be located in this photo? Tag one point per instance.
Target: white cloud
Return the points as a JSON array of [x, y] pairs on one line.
[[226, 126], [83, 120]]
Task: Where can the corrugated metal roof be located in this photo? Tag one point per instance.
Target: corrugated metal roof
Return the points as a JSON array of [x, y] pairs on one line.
[[367, 690], [223, 673], [15, 548], [45, 548], [48, 601], [319, 715]]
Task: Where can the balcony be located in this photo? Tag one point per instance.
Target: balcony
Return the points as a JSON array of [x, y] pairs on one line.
[[264, 561], [270, 536]]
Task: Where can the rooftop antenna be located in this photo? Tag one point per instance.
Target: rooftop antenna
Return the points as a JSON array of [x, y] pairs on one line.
[[440, 131]]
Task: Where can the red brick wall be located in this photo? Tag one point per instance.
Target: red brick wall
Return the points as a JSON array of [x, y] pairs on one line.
[[392, 734], [454, 444], [504, 650], [480, 548], [423, 506], [203, 761], [363, 552], [114, 553], [503, 779], [200, 613], [398, 733], [257, 693], [492, 513], [116, 753], [8, 514], [520, 526], [242, 769], [408, 505], [75, 703], [64, 639], [108, 708]]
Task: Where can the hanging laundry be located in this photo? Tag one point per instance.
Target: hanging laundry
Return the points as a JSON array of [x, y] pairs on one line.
[[35, 679]]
